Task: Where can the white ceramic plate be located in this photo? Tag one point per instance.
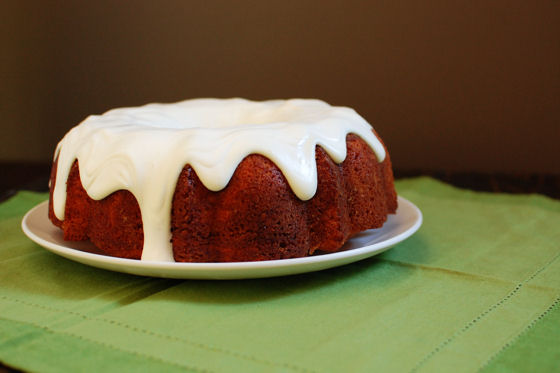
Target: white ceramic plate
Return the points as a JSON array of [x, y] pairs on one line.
[[397, 228]]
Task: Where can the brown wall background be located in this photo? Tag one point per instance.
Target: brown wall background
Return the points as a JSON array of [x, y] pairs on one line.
[[450, 85]]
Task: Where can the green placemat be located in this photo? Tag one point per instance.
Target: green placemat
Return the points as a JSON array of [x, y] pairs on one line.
[[476, 288]]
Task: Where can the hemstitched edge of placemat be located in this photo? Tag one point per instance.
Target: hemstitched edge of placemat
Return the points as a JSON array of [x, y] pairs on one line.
[[473, 322], [531, 325]]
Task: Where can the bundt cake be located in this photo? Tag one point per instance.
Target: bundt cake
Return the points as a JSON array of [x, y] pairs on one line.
[[221, 180]]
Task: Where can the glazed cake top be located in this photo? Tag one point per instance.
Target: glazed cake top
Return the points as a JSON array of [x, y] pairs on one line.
[[143, 150]]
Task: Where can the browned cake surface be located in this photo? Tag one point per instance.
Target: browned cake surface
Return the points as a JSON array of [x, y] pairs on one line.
[[256, 217]]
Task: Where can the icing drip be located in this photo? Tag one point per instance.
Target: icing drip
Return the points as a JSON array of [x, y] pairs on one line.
[[144, 149]]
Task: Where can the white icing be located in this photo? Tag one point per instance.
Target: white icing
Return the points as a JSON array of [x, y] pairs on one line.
[[143, 150]]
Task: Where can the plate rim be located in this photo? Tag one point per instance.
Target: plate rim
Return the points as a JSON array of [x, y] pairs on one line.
[[225, 270]]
